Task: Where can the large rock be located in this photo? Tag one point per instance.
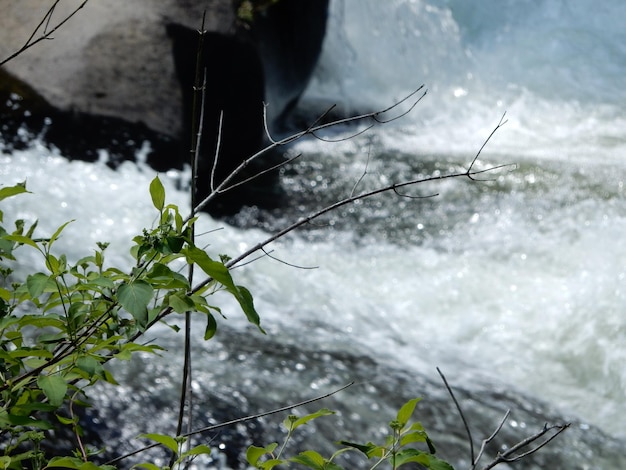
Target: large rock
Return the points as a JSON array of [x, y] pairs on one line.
[[112, 58], [112, 76]]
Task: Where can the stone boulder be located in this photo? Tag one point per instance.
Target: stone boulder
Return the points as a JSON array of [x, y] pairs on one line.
[[118, 73]]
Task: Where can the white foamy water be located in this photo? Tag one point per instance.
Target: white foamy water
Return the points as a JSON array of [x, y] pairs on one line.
[[526, 279], [520, 279]]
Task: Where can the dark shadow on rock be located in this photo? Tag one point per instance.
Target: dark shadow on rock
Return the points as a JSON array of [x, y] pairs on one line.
[[26, 115], [289, 35], [235, 91]]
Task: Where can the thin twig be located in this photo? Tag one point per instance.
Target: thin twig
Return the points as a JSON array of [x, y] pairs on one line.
[[458, 407], [489, 439], [261, 173], [500, 124], [285, 262], [309, 131], [266, 125], [198, 102], [367, 164], [46, 34], [235, 421], [218, 144], [508, 457], [337, 205]]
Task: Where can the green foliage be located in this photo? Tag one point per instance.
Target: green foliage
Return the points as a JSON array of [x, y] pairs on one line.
[[396, 450], [58, 327], [61, 325], [176, 446]]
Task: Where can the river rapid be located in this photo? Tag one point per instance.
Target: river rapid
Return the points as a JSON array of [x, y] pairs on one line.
[[514, 286]]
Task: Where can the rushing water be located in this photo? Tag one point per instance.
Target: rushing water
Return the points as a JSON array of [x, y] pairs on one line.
[[515, 286]]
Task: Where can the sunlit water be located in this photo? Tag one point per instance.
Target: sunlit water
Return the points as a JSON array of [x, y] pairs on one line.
[[517, 282]]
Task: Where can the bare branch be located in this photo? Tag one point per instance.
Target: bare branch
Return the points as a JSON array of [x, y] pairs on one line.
[[367, 164], [408, 196], [261, 173], [335, 206], [196, 148], [342, 139], [458, 407], [218, 144], [267, 253], [265, 125], [509, 456], [500, 124], [310, 131], [46, 34], [235, 421], [490, 438]]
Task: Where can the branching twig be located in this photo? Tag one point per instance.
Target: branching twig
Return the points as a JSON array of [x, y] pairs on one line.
[[267, 253], [509, 456], [500, 124], [235, 421], [364, 174], [458, 407], [343, 202], [483, 446], [311, 130], [46, 34]]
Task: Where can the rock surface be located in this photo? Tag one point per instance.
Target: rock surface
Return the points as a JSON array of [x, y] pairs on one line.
[[112, 58], [118, 73]]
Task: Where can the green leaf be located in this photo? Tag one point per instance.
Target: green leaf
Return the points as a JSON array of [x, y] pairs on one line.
[[67, 421], [254, 453], [220, 273], [163, 277], [163, 439], [10, 420], [65, 462], [174, 244], [406, 411], [36, 284], [22, 239], [197, 450], [147, 465], [181, 303], [271, 463], [102, 281], [5, 460], [212, 268], [244, 297], [89, 365], [157, 192], [134, 298], [10, 191], [54, 387], [211, 327], [29, 352], [126, 350], [370, 449], [75, 463], [292, 424], [56, 234], [427, 460], [414, 436], [314, 460], [310, 458]]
